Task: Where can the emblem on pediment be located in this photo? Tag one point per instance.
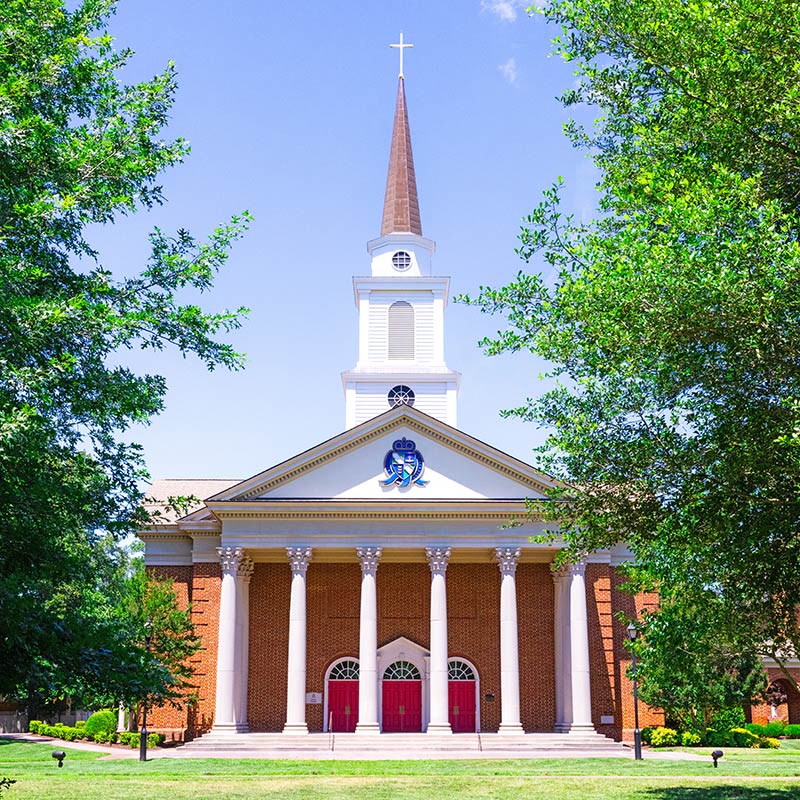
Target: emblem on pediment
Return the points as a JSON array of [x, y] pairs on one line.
[[404, 464]]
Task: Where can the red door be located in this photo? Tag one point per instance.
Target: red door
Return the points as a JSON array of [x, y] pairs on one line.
[[402, 707], [342, 706], [461, 706]]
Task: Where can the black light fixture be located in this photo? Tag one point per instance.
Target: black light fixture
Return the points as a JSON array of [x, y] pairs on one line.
[[717, 755], [637, 734], [61, 755], [148, 640]]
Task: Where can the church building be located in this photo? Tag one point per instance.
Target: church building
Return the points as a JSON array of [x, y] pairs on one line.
[[371, 585]]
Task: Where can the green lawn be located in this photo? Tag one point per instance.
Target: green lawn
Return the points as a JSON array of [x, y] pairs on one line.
[[742, 775]]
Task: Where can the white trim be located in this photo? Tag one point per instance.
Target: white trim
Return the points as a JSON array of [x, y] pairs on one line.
[[325, 690]]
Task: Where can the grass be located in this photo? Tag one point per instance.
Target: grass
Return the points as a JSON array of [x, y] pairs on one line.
[[742, 775]]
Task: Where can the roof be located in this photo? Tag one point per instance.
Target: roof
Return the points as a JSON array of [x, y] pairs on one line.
[[159, 498], [401, 204]]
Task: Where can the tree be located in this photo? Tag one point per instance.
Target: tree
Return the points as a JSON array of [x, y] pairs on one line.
[[694, 661], [671, 320], [80, 148]]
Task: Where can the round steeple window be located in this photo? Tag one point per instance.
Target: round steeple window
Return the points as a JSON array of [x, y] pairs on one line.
[[401, 261], [400, 396]]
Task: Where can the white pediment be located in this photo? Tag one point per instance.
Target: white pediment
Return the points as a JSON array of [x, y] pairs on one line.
[[351, 467]]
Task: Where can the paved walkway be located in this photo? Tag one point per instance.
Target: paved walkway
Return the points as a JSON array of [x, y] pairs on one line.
[[116, 752]]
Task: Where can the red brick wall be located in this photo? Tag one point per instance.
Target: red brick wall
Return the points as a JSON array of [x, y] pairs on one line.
[[788, 711], [169, 719], [536, 619], [269, 645]]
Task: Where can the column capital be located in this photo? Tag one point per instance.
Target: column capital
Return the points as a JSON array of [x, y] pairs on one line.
[[437, 558], [245, 570], [576, 568], [369, 557], [507, 558], [298, 559], [230, 558]]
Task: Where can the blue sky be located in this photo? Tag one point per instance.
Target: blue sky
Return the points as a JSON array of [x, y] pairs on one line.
[[288, 108]]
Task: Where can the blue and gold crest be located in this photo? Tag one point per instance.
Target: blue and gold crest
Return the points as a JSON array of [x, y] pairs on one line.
[[404, 464]]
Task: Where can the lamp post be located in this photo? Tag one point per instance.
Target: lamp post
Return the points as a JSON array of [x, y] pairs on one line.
[[637, 734], [148, 640]]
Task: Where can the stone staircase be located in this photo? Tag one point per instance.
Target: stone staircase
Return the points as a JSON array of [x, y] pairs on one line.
[[400, 745]]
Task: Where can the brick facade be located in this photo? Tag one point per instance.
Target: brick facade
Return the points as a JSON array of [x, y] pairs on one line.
[[473, 604]]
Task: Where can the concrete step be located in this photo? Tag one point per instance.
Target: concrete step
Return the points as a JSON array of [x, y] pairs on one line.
[[262, 744]]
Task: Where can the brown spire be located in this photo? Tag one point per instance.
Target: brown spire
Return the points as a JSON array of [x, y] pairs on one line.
[[401, 205]]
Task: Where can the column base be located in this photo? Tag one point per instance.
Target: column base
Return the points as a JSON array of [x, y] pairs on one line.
[[299, 728], [434, 728], [586, 728], [368, 727], [231, 728], [511, 730]]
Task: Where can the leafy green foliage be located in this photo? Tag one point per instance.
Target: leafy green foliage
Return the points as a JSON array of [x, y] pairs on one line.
[[695, 663], [664, 737], [671, 320], [80, 148], [104, 721]]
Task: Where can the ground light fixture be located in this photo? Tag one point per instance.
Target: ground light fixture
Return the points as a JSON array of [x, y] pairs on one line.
[[60, 755], [637, 734], [148, 640], [717, 755]]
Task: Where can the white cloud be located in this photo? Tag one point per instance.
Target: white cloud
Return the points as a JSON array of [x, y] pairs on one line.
[[509, 70], [505, 10]]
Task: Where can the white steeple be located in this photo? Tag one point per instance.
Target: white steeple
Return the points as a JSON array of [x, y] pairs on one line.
[[401, 305]]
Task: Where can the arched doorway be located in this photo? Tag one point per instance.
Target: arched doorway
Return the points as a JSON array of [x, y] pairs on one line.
[[341, 696], [402, 698], [462, 688]]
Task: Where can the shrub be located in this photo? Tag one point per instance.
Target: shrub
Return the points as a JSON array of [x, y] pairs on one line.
[[104, 721], [773, 729], [769, 742], [718, 738], [743, 738], [80, 723], [792, 731], [34, 725], [664, 737], [134, 739], [125, 737], [70, 734], [691, 739], [48, 730], [102, 737], [647, 733], [755, 728], [728, 718], [155, 739]]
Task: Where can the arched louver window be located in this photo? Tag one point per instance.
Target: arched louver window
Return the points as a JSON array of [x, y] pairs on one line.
[[460, 671], [344, 671], [401, 331], [401, 671]]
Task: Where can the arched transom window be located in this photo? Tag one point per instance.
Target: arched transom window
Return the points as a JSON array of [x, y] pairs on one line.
[[401, 331], [460, 671], [401, 671], [344, 671]]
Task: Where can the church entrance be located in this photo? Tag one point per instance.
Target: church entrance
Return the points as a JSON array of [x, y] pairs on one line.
[[461, 697], [343, 697], [401, 698]]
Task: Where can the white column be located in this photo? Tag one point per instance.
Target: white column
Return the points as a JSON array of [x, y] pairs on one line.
[[579, 650], [368, 642], [243, 575], [296, 670], [507, 558], [227, 643], [561, 651], [437, 683]]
